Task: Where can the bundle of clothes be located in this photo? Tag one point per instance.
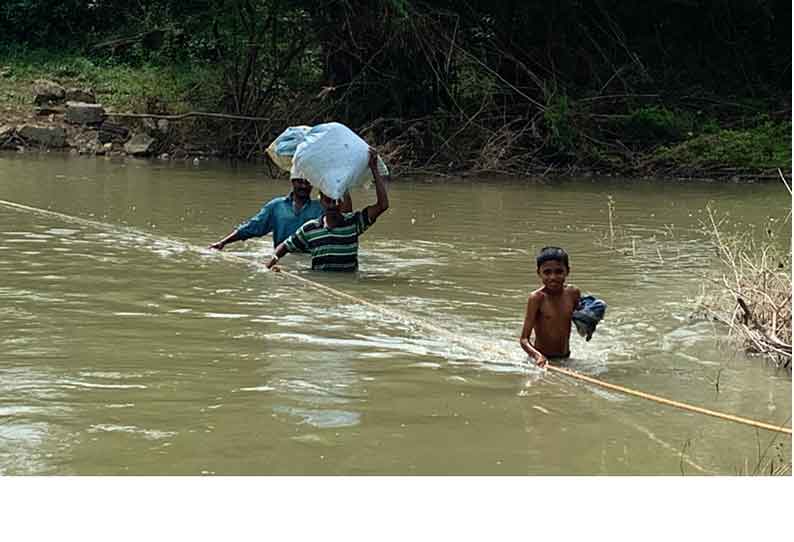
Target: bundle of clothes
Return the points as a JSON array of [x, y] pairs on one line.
[[589, 312]]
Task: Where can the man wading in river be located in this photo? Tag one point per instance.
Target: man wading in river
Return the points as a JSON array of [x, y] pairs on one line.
[[332, 238], [282, 216]]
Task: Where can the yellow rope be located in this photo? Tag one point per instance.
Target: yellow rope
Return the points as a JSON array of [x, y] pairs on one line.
[[670, 402], [411, 319]]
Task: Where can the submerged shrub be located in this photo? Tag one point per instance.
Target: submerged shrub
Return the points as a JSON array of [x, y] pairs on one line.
[[753, 294]]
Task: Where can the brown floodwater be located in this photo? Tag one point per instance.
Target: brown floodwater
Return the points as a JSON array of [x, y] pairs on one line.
[[126, 347]]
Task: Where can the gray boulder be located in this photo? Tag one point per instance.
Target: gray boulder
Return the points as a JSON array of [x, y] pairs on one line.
[[140, 145], [84, 113], [80, 95], [111, 131], [45, 91], [52, 137]]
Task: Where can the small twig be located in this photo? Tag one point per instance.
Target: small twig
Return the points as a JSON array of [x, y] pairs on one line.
[[611, 209], [783, 178], [187, 115], [684, 448]]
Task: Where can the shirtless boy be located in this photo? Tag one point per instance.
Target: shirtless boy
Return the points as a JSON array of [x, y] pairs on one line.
[[549, 309]]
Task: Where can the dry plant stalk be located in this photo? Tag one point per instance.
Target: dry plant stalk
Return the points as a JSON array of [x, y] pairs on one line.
[[771, 461], [611, 208], [754, 294]]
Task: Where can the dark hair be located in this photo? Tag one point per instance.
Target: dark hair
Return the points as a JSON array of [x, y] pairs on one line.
[[547, 254]]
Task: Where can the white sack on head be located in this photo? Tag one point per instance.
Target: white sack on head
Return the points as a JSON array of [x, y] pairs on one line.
[[283, 147], [334, 159]]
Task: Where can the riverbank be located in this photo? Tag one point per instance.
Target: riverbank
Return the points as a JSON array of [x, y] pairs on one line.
[[158, 111]]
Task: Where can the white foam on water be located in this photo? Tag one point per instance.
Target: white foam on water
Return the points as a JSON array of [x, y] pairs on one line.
[[257, 388], [81, 384], [152, 434]]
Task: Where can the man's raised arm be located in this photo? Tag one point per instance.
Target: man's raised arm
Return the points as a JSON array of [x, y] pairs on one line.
[[382, 203]]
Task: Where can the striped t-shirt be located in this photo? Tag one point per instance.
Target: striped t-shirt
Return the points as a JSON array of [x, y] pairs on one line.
[[332, 249]]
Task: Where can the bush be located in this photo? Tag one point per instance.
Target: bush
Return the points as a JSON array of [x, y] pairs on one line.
[[767, 146], [559, 122], [753, 297], [657, 124]]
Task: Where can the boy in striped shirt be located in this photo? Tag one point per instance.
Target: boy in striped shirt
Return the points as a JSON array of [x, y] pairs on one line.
[[332, 239]]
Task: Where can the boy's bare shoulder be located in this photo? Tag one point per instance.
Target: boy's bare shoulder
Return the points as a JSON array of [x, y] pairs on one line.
[[573, 294], [537, 295], [535, 300]]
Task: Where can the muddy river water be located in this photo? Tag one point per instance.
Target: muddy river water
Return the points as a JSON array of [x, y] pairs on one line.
[[126, 347]]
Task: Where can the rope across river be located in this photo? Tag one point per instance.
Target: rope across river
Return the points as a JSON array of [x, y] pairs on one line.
[[419, 322]]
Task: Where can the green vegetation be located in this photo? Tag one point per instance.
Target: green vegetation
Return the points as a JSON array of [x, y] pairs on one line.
[[121, 85], [560, 124], [766, 147], [513, 86], [657, 123]]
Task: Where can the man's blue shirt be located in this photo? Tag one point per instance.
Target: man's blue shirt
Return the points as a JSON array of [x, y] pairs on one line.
[[279, 216]]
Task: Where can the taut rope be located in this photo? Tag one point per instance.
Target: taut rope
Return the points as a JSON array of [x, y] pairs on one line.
[[670, 402]]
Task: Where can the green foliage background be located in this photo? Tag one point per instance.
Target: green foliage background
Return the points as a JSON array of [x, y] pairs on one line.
[[561, 80]]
